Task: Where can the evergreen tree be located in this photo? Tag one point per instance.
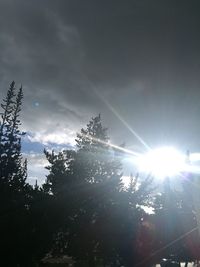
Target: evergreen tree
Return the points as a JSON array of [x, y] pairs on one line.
[[86, 181], [14, 191], [126, 219], [59, 176], [12, 167], [98, 219]]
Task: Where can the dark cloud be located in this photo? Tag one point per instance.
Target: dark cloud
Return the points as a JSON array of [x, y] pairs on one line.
[[141, 56]]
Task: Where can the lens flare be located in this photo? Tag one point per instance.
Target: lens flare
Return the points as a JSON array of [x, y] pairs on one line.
[[109, 144], [162, 162]]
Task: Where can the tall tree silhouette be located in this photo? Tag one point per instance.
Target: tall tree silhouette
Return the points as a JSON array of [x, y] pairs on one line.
[[98, 219], [13, 187], [87, 181], [12, 167]]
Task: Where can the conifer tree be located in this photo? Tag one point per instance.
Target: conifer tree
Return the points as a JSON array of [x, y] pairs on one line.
[[100, 170], [12, 167], [86, 181], [98, 219], [14, 191]]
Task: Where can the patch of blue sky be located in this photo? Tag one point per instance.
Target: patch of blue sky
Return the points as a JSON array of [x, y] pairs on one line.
[[33, 151], [28, 145]]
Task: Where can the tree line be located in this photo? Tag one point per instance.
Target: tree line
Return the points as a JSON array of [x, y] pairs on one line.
[[83, 209]]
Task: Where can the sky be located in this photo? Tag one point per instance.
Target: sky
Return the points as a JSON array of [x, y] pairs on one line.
[[136, 62]]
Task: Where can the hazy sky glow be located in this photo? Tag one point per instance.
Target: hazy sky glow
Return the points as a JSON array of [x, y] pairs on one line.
[[141, 56]]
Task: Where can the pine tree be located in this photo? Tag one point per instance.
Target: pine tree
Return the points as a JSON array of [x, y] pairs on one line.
[[85, 183], [101, 171], [14, 191], [59, 172], [98, 219], [5, 129], [12, 167]]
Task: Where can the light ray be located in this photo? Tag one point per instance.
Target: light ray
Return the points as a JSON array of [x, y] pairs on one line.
[[127, 125], [166, 246], [127, 151], [113, 110]]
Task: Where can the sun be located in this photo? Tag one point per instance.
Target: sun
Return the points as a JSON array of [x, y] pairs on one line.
[[162, 162]]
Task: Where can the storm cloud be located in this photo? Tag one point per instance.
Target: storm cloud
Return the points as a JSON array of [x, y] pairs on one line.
[[141, 57]]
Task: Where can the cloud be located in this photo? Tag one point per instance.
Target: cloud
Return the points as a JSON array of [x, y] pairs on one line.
[[143, 57], [59, 138], [140, 56], [39, 49], [36, 167]]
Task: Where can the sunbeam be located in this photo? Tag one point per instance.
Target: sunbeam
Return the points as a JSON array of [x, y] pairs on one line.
[[122, 149], [160, 162], [114, 111]]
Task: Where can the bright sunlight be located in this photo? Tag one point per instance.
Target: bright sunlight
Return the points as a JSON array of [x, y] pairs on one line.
[[162, 162]]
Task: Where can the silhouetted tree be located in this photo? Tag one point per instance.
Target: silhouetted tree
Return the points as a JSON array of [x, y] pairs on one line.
[[128, 222], [99, 220], [12, 168], [14, 191], [82, 209], [84, 183]]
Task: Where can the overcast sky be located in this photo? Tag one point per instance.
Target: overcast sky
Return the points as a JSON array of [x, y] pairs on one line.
[[75, 58]]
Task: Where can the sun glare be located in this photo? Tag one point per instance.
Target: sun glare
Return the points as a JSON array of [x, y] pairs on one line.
[[162, 162]]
